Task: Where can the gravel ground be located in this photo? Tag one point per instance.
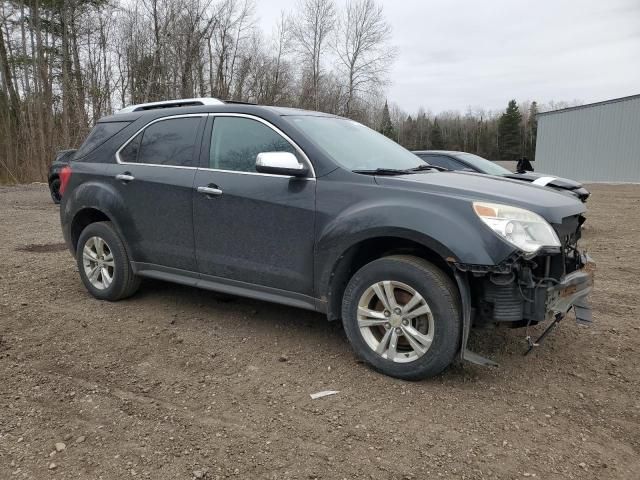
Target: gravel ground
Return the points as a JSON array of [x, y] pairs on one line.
[[182, 383]]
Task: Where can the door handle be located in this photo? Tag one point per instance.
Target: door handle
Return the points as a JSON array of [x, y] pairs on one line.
[[125, 177], [210, 191]]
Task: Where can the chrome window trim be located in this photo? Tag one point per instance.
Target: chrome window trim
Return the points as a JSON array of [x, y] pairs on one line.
[[256, 173], [185, 115], [242, 115], [312, 171]]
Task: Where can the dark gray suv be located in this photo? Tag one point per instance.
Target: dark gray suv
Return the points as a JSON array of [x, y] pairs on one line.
[[319, 212]]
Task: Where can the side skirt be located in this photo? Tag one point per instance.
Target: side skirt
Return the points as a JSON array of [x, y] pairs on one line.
[[225, 285]]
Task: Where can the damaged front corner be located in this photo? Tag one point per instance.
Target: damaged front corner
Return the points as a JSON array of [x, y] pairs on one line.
[[465, 296]]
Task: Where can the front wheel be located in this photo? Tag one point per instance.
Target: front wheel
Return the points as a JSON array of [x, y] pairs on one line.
[[402, 316]]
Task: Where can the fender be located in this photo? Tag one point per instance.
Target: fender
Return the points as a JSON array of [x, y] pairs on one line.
[[95, 195], [454, 234]]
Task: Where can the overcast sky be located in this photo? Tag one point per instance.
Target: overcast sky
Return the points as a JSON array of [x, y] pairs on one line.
[[454, 54]]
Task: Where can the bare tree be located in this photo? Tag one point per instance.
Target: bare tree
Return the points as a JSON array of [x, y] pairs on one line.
[[362, 46], [6, 76], [64, 64], [314, 21], [282, 39], [234, 23]]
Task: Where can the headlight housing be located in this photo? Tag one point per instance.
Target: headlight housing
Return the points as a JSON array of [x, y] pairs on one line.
[[522, 228]]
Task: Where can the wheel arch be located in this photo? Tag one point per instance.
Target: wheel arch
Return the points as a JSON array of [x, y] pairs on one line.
[[83, 218], [90, 202], [368, 249]]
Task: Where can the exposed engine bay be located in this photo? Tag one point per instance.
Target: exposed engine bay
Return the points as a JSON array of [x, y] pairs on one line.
[[526, 291]]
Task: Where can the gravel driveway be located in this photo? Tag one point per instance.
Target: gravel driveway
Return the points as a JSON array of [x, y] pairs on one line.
[[181, 383]]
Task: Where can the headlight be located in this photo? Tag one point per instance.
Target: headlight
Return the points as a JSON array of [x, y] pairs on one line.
[[524, 229]]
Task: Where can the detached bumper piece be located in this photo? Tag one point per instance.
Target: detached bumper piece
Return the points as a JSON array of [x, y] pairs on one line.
[[572, 291]]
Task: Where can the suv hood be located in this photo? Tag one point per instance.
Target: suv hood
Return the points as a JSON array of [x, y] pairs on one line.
[[552, 205]]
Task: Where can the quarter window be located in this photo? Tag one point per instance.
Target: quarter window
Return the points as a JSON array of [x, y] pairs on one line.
[[102, 132], [167, 142], [237, 141]]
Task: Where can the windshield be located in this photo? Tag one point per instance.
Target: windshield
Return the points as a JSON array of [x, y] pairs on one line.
[[482, 164], [354, 146]]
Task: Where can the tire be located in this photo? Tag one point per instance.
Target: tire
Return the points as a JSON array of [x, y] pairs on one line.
[[425, 344], [115, 263], [54, 188]]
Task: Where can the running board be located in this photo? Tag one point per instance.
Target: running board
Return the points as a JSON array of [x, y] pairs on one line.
[[471, 357]]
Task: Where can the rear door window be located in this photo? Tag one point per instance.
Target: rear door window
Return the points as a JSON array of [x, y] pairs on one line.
[[129, 153], [170, 142]]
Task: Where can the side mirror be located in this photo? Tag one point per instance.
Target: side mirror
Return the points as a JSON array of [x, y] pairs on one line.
[[280, 163]]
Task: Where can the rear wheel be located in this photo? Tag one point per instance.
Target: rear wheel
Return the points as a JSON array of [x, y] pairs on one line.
[[402, 315], [54, 188], [104, 264]]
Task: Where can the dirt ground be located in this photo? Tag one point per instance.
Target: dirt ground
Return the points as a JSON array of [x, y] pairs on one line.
[[180, 383]]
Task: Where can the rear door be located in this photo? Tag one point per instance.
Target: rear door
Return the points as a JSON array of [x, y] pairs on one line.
[[154, 176], [257, 228]]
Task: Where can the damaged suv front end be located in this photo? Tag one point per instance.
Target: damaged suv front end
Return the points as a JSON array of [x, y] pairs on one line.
[[545, 276]]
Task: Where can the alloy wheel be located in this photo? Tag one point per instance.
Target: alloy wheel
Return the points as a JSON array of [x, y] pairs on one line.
[[395, 321], [97, 259]]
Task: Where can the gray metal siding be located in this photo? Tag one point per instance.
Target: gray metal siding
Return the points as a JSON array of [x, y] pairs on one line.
[[599, 143]]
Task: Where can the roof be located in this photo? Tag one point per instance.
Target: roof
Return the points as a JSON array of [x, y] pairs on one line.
[[589, 105], [128, 116]]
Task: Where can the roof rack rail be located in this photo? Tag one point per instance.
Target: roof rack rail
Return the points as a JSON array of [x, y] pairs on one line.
[[239, 102], [185, 102]]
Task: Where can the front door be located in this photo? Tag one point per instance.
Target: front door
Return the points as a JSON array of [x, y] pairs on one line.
[[251, 227], [154, 177]]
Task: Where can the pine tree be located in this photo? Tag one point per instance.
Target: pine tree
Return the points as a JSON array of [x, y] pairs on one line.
[[509, 133], [386, 127], [410, 134], [437, 143]]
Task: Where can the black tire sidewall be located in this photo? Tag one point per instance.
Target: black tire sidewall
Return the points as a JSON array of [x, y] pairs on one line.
[[120, 257], [54, 187], [443, 301]]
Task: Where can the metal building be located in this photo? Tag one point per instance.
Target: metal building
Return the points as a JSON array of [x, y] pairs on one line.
[[599, 142]]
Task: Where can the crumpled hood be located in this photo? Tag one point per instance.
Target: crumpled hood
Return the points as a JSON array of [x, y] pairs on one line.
[[551, 204]]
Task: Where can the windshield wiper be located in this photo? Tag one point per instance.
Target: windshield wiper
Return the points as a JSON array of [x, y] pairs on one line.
[[420, 168], [383, 171]]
